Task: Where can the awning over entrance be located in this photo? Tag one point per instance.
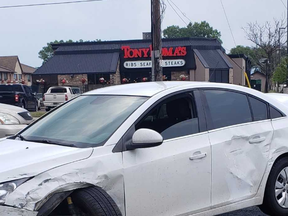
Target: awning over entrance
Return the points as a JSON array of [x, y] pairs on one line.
[[62, 64]]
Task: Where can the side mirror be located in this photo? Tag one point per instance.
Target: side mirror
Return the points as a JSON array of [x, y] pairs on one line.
[[145, 138]]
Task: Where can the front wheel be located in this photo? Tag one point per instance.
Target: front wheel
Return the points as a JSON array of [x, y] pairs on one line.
[[94, 201], [276, 193]]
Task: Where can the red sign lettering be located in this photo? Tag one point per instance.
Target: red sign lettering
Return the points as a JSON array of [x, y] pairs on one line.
[[146, 52]]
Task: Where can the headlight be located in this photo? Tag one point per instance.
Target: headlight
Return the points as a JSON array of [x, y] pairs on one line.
[[8, 187], [6, 119]]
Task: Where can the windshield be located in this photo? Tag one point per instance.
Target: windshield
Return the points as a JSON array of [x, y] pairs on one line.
[[9, 88], [84, 122], [76, 91]]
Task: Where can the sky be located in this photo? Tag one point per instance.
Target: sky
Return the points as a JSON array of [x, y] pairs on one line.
[[24, 31]]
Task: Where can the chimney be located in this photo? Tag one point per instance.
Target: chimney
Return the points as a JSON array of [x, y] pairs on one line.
[[147, 36]]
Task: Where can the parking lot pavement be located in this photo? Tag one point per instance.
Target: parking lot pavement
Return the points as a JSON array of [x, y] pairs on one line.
[[253, 211]]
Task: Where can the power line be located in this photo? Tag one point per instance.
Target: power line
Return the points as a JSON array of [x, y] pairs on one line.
[[176, 12], [283, 4], [47, 4], [228, 22], [182, 12]]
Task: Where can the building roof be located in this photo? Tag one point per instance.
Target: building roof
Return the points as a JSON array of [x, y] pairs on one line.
[[213, 59], [80, 63], [202, 43], [9, 62], [102, 57], [3, 69], [27, 69]]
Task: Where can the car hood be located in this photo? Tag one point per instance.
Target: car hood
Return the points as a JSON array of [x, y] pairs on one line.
[[10, 108], [20, 159]]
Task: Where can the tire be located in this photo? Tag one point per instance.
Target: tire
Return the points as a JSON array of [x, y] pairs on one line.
[[94, 201], [36, 107], [47, 109], [23, 105], [270, 204]]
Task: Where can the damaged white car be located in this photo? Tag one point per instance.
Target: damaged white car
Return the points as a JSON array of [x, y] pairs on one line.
[[150, 149]]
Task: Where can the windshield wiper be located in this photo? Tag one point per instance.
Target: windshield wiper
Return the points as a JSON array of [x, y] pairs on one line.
[[21, 137], [47, 141]]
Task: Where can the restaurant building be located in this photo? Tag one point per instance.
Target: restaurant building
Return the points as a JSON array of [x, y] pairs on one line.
[[96, 64]]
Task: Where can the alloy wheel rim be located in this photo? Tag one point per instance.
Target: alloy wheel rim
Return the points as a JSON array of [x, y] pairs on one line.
[[281, 188]]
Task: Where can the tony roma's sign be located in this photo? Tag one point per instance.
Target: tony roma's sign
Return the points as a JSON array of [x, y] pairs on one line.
[[148, 64], [175, 58], [146, 52]]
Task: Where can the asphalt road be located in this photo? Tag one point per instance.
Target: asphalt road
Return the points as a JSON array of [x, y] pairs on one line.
[[254, 211]]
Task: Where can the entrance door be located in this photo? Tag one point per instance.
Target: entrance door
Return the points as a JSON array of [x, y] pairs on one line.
[[175, 177]]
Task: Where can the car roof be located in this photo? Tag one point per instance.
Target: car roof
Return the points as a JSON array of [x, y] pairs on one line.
[[149, 89], [283, 98]]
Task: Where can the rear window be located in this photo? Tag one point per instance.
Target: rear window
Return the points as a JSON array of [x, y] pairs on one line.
[[274, 113], [58, 90], [11, 88]]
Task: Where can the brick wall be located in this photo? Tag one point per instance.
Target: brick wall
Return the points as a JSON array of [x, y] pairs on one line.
[[115, 79], [72, 80], [175, 76]]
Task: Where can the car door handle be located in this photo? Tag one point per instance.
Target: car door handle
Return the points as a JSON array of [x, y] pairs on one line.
[[198, 156], [257, 139]]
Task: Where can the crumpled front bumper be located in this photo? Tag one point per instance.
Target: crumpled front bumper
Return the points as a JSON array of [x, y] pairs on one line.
[[10, 211]]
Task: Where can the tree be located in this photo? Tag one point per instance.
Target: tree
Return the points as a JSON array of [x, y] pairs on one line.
[[254, 54], [268, 39], [281, 72], [47, 52], [196, 29]]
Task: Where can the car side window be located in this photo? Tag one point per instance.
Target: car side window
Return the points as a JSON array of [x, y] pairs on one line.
[[259, 109], [274, 113], [174, 117], [227, 108]]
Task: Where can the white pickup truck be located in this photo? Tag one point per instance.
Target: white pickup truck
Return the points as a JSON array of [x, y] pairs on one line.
[[57, 95]]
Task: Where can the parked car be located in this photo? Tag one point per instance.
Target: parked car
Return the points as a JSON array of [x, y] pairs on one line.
[[158, 148], [76, 90], [56, 96], [18, 95], [39, 97], [12, 120]]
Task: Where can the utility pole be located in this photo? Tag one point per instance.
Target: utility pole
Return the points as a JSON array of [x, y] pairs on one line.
[[156, 55], [287, 44]]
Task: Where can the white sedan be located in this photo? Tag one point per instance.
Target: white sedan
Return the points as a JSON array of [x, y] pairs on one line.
[[151, 149], [13, 119]]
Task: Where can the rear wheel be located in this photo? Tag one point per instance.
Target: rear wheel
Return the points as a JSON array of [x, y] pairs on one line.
[[276, 193], [36, 107], [23, 105], [95, 201]]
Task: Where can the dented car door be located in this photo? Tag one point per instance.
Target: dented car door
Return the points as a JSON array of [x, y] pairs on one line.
[[175, 177], [240, 133]]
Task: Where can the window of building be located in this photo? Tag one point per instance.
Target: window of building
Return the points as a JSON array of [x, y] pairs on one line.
[[95, 78], [5, 76], [227, 108], [274, 113], [174, 117], [0, 76], [15, 76], [28, 78], [220, 76], [20, 76], [259, 109]]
